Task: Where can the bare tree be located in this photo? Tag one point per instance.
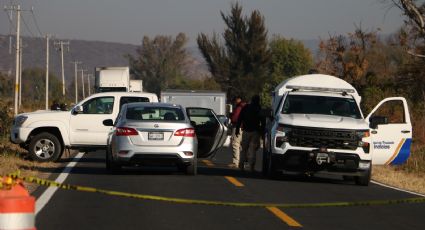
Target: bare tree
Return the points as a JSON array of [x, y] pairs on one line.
[[415, 13]]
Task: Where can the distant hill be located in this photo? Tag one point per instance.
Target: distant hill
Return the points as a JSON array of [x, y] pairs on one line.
[[92, 54]]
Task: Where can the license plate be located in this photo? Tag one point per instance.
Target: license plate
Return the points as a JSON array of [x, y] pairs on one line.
[[155, 136]]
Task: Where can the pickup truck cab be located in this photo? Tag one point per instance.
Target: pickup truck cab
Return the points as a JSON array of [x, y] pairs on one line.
[[316, 126], [45, 134]]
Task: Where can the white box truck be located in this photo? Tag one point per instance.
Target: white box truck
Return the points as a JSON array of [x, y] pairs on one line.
[[214, 100], [112, 79], [316, 126]]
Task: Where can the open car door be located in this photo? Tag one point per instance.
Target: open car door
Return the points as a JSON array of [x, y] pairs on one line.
[[211, 133], [390, 132]]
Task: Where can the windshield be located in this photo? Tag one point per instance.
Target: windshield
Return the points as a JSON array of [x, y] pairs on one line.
[[336, 106], [150, 113]]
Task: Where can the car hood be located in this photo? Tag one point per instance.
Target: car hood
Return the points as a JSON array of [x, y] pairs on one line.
[[45, 115], [322, 121]]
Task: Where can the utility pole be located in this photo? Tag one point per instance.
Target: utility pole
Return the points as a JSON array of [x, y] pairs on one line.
[[82, 81], [88, 81], [47, 71], [76, 81], [20, 73], [18, 10], [60, 44]]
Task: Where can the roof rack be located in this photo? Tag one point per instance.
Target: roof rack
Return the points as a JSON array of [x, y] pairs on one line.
[[320, 89]]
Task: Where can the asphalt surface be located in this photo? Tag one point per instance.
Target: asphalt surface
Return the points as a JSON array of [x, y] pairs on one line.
[[70, 209]]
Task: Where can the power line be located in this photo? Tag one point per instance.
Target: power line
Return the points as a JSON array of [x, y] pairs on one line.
[[26, 26], [35, 22]]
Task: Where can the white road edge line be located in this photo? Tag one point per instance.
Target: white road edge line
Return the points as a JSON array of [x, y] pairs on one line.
[[398, 189], [47, 195]]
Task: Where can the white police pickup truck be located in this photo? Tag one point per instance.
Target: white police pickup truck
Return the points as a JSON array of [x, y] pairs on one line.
[[45, 134], [316, 126]]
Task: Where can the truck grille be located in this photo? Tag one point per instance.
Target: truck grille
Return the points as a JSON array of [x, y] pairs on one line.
[[318, 137]]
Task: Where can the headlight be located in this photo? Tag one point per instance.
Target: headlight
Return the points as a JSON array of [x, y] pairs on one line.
[[283, 128], [19, 120], [365, 145], [362, 133]]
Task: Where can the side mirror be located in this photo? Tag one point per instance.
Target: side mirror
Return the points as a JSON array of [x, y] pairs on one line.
[[377, 120], [108, 122], [78, 109]]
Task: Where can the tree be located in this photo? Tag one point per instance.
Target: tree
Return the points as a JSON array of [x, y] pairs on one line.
[[289, 58], [240, 64], [34, 88], [346, 56], [6, 86], [160, 61], [415, 24]]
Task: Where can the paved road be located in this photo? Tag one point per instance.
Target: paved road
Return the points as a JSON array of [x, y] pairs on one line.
[[79, 210]]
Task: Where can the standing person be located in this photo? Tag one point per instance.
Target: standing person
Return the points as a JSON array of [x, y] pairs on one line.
[[252, 126], [236, 139]]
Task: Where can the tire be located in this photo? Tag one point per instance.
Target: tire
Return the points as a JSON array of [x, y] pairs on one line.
[[365, 179], [265, 168], [271, 168], [111, 166], [45, 147], [192, 169]]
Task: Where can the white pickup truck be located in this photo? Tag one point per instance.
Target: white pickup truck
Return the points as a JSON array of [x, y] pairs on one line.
[[45, 134], [316, 126]]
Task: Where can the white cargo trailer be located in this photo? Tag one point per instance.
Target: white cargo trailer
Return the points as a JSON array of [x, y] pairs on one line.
[[214, 100], [136, 86]]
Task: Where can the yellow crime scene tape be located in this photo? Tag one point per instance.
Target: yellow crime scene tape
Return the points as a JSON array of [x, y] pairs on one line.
[[49, 183]]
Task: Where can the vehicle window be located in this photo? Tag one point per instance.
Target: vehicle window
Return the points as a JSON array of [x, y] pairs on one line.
[[337, 106], [125, 100], [201, 116], [150, 113], [99, 105], [393, 110]]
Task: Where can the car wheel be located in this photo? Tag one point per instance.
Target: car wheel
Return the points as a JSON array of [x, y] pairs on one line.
[[45, 147], [271, 168], [266, 155], [111, 166], [192, 169], [365, 179]]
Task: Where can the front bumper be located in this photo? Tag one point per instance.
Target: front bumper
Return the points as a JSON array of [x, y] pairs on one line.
[[349, 164], [19, 135]]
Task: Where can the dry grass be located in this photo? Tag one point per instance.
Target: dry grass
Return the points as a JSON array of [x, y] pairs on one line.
[[399, 178], [12, 159]]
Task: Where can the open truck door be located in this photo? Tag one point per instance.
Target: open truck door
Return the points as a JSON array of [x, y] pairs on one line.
[[211, 133], [390, 132]]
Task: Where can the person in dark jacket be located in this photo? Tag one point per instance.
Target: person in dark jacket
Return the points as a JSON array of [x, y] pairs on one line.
[[252, 126]]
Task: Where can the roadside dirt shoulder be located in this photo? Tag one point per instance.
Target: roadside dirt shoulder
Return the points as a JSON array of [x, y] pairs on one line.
[[388, 175]]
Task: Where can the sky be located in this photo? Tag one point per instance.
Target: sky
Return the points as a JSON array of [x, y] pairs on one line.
[[127, 21]]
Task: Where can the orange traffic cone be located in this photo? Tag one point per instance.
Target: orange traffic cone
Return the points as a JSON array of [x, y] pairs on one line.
[[16, 206]]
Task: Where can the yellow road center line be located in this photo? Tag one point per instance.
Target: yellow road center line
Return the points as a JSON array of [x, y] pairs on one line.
[[284, 217], [208, 163], [234, 181]]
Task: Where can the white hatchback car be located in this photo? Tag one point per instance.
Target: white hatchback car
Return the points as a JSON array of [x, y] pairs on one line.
[[162, 134]]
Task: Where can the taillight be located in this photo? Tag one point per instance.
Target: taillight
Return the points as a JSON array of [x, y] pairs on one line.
[[125, 131], [189, 132]]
